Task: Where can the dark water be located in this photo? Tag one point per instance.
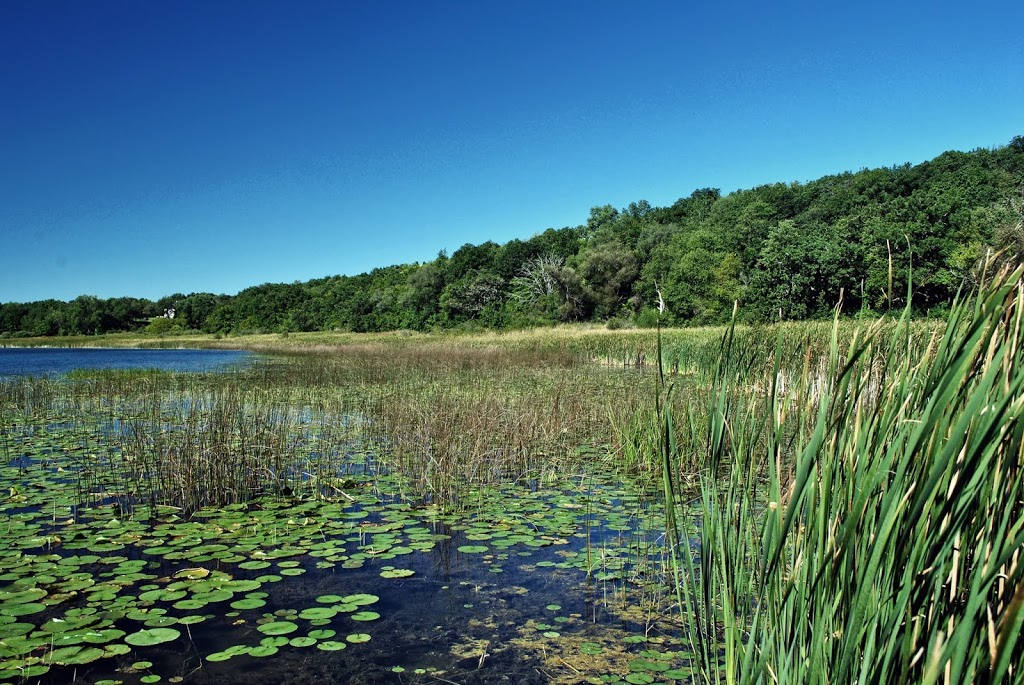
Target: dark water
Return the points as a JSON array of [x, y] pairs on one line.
[[57, 361]]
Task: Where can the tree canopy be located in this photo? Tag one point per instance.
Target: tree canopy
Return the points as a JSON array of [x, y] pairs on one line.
[[854, 239]]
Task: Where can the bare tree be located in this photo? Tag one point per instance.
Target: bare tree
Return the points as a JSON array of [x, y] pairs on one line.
[[537, 278]]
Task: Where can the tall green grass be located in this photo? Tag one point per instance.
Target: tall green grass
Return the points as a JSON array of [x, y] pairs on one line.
[[863, 520]]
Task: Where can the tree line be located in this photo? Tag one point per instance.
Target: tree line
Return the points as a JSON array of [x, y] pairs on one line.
[[782, 250]]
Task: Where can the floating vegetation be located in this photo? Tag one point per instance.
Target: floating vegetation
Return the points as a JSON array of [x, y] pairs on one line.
[[105, 574]]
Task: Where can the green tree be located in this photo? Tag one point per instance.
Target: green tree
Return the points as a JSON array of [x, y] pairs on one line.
[[423, 293], [467, 298], [800, 272], [197, 308], [697, 277], [599, 218], [608, 269]]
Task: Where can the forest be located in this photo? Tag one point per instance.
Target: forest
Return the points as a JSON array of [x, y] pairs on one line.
[[859, 241]]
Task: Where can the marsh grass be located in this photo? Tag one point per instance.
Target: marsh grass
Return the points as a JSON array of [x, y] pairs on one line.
[[863, 520], [443, 410], [449, 415], [443, 414]]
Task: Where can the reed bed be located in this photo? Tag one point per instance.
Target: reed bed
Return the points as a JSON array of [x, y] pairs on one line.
[[444, 411], [442, 415], [449, 415], [863, 523]]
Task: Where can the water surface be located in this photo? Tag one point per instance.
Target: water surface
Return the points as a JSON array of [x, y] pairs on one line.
[[49, 361]]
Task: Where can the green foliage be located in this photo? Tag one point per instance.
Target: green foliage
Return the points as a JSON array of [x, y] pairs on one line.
[[861, 518], [608, 271], [854, 240], [161, 325]]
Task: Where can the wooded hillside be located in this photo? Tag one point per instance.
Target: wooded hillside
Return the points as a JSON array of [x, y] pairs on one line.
[[786, 249]]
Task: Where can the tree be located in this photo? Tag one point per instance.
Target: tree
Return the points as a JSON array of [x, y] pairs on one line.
[[197, 308], [609, 270], [467, 298], [599, 218], [695, 209], [423, 293], [698, 278], [85, 316], [799, 273], [469, 258], [537, 280], [512, 256], [1006, 250], [562, 242]]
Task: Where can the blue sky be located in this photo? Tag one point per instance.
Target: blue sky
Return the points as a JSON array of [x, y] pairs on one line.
[[149, 148]]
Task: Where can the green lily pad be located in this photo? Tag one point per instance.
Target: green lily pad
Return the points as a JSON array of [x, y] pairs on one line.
[[329, 599], [331, 646], [263, 651], [325, 634], [152, 636], [248, 603], [473, 549], [75, 656], [365, 616], [22, 609], [254, 565], [117, 649], [278, 628], [99, 637], [396, 573], [639, 678], [678, 673]]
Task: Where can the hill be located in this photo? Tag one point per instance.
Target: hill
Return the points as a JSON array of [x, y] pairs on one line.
[[784, 250]]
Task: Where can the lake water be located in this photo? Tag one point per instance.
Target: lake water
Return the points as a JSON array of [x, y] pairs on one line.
[[37, 361]]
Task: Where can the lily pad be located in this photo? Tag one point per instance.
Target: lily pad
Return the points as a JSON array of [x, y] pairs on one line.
[[365, 616], [75, 656], [263, 651], [331, 646], [396, 573], [278, 628], [329, 599], [152, 636], [473, 549], [325, 634]]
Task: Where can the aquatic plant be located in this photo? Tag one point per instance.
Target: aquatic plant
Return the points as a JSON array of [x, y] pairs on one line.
[[865, 522]]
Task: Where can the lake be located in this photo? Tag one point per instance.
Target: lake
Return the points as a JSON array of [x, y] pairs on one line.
[[36, 361]]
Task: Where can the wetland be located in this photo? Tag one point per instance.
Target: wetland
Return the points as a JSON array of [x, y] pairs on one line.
[[826, 502], [293, 521]]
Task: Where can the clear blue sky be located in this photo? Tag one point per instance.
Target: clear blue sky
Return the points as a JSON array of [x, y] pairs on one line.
[[148, 148]]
